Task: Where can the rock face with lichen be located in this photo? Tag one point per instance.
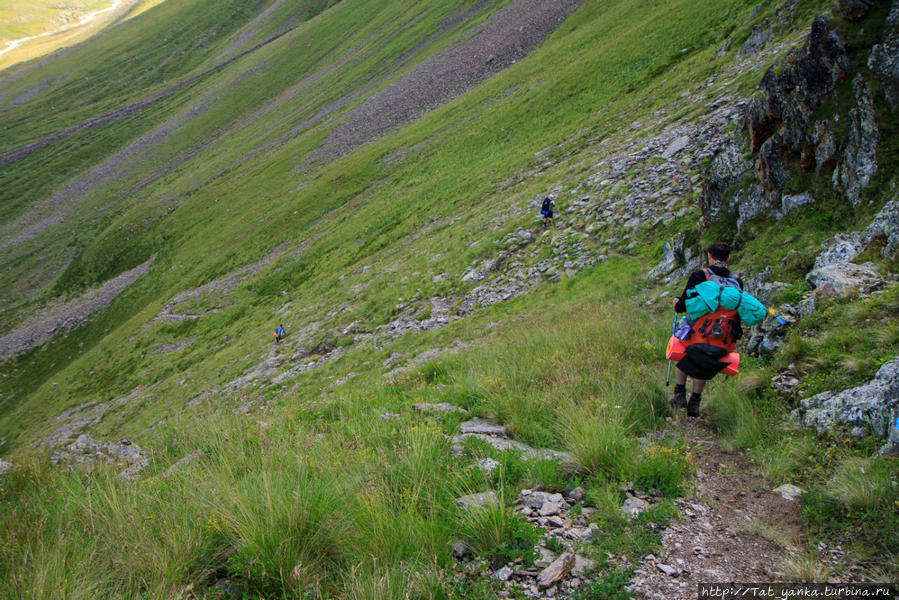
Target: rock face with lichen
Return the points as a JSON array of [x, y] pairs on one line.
[[803, 119], [859, 411], [884, 59], [858, 165]]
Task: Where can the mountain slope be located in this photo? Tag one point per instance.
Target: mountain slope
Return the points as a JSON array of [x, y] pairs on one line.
[[368, 175]]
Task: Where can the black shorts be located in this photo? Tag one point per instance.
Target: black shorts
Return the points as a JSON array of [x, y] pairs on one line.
[[702, 361]]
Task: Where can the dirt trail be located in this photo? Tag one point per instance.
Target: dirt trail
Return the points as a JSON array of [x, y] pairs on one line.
[[717, 542]]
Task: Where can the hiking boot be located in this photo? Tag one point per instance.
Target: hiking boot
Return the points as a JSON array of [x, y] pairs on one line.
[[679, 400], [693, 406]]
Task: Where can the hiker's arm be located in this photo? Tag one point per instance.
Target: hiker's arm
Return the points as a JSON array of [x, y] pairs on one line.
[[696, 277]]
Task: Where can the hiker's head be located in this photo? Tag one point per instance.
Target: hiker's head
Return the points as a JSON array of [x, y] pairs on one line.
[[719, 252]]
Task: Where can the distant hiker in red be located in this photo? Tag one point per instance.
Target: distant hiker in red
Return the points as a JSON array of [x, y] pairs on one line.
[[279, 333], [713, 336]]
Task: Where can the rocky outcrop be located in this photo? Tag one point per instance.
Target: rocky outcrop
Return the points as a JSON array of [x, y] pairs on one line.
[[788, 135], [865, 410], [859, 162], [86, 450], [884, 229], [852, 10], [678, 260], [792, 91], [726, 170], [834, 272], [782, 129], [5, 466], [884, 58], [760, 36], [495, 435]]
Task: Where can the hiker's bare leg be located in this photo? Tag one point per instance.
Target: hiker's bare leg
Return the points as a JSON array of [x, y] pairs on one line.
[[680, 378], [698, 385]]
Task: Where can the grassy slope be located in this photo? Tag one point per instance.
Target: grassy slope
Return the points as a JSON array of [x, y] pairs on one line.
[[398, 198], [219, 206]]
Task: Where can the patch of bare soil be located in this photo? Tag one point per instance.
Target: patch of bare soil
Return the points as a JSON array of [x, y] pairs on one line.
[[719, 539], [506, 37], [66, 317]]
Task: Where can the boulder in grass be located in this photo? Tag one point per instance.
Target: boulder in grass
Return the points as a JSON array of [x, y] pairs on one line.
[[478, 500], [866, 409]]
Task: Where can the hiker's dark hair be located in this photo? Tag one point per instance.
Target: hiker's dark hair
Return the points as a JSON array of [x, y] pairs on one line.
[[719, 251]]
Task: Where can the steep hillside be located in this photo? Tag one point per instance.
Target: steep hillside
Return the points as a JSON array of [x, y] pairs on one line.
[[368, 175]]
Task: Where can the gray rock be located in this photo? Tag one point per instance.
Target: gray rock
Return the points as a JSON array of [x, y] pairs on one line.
[[863, 409], [555, 522], [668, 570], [785, 381], [770, 169], [439, 407], [825, 147], [884, 58], [460, 549], [846, 278], [885, 228], [791, 203], [536, 500], [483, 427], [550, 508], [577, 494], [792, 89], [769, 345], [789, 492], [841, 248], [859, 162], [633, 506], [556, 571], [547, 557], [582, 565], [388, 416], [527, 452], [753, 202], [393, 358], [503, 574], [488, 465], [5, 466], [86, 450], [892, 444], [727, 167], [478, 500], [671, 258], [757, 40], [675, 147]]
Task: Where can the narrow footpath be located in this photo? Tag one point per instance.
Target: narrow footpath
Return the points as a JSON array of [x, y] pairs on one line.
[[723, 537]]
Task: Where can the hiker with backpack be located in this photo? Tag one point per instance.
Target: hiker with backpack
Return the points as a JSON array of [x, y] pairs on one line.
[[279, 333], [712, 336], [546, 209]]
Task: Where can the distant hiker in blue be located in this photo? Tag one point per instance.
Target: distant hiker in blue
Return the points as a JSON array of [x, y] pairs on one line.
[[547, 211], [279, 333], [715, 334]]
